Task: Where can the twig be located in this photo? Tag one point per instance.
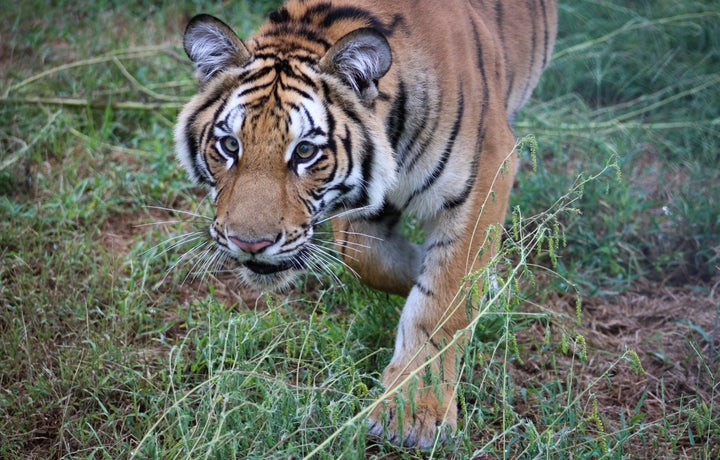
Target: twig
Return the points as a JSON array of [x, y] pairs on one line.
[[140, 87], [79, 102], [132, 53], [632, 25], [41, 134], [713, 340]]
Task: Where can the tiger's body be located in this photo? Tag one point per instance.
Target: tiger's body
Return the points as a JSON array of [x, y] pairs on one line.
[[367, 110]]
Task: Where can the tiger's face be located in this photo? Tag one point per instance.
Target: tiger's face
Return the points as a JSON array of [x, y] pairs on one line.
[[281, 144]]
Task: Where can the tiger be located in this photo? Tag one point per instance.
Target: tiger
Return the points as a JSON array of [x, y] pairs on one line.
[[363, 112]]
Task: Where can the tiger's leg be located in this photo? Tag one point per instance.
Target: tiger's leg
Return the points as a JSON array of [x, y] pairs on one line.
[[435, 309], [377, 252]]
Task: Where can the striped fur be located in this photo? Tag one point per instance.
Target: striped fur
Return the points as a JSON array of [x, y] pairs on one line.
[[368, 110]]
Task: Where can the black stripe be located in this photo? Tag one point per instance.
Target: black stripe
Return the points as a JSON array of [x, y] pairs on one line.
[[257, 103], [442, 162], [294, 89], [311, 120], [395, 121], [389, 215], [367, 166], [417, 128], [510, 82], [215, 156], [499, 17], [440, 245], [318, 168], [299, 30], [270, 51], [242, 75], [432, 341], [255, 88], [219, 191], [309, 205], [509, 75], [190, 139], [346, 141], [224, 122], [292, 73], [342, 189], [546, 33], [279, 15], [316, 195], [257, 75], [313, 10], [347, 145], [532, 7], [318, 131], [332, 145], [474, 165], [344, 13], [203, 134], [420, 151], [424, 290]]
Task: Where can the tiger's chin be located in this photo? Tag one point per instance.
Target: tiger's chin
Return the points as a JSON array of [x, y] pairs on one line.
[[269, 277]]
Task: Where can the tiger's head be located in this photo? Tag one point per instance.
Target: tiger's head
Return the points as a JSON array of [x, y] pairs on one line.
[[283, 135]]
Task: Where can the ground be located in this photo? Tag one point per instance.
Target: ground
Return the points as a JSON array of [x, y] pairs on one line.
[[673, 330]]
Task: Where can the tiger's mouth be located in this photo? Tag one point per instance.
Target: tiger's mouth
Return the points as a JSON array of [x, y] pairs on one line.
[[270, 276], [262, 268], [258, 267]]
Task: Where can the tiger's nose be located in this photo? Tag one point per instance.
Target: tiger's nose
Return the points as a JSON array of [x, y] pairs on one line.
[[251, 247]]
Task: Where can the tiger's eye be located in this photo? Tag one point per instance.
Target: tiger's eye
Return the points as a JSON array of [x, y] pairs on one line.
[[304, 150], [230, 145]]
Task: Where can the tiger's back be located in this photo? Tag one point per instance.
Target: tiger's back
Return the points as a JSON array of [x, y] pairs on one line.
[[364, 111], [452, 61]]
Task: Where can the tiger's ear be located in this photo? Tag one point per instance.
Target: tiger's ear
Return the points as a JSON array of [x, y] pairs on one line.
[[359, 58], [213, 46]]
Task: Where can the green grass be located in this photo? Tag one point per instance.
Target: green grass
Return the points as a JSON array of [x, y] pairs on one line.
[[109, 343]]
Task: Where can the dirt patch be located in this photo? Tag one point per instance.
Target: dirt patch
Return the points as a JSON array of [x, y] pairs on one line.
[[120, 230], [673, 332]]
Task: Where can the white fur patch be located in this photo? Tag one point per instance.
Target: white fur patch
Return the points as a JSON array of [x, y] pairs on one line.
[[358, 65], [210, 49]]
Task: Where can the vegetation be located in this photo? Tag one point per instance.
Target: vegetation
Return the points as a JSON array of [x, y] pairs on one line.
[[116, 340]]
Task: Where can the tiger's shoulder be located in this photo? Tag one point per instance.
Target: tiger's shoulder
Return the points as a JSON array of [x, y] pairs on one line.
[[513, 39]]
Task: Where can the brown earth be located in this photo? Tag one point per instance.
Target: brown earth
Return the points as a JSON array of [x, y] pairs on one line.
[[672, 331]]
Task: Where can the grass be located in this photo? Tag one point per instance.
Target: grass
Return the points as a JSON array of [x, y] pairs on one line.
[[114, 343]]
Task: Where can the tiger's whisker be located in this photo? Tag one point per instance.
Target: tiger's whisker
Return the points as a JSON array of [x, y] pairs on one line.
[[339, 253], [179, 240], [332, 253], [313, 261], [319, 251], [164, 222], [343, 214], [352, 245], [364, 235], [198, 262], [188, 255], [180, 211], [336, 240]]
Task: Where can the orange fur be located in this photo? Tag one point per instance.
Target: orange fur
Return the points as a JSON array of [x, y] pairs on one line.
[[370, 110]]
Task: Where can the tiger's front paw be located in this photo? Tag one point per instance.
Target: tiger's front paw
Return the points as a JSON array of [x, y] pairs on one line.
[[421, 421]]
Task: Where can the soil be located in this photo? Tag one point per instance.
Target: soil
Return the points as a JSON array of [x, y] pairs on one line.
[[674, 333]]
